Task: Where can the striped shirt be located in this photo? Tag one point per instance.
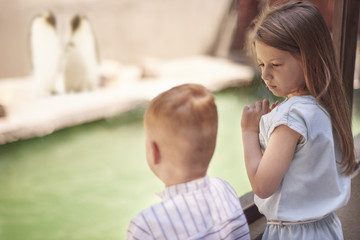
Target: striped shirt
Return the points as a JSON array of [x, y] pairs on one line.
[[206, 208]]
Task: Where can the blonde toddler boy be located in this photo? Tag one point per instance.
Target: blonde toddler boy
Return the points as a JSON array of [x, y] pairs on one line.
[[181, 128]]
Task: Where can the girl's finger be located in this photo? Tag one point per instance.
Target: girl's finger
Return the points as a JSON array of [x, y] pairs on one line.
[[258, 105], [265, 106], [274, 105]]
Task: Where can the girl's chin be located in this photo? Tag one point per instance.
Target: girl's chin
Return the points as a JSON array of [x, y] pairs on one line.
[[277, 94], [274, 92]]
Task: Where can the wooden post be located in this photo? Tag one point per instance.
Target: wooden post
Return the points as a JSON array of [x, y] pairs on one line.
[[345, 28]]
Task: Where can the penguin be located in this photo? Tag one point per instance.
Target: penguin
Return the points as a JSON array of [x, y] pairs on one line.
[[81, 60], [45, 52]]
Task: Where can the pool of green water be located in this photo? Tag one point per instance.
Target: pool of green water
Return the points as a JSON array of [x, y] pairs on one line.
[[86, 182]]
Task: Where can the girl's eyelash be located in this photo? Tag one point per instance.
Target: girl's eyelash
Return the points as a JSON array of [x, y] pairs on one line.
[[274, 64]]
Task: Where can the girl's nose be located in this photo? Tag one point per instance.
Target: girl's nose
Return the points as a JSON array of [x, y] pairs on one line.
[[266, 74]]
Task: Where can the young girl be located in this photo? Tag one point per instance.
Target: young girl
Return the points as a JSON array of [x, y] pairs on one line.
[[299, 154]]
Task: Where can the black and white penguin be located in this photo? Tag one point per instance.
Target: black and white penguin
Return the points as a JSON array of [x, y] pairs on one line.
[[81, 61], [45, 52]]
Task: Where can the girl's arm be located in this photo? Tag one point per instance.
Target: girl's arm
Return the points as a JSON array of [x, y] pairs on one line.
[[266, 171]]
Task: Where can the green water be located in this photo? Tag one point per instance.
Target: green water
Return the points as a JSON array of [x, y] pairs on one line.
[[86, 182]]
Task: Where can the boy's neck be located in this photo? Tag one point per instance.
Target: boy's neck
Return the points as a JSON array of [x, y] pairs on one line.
[[180, 180]]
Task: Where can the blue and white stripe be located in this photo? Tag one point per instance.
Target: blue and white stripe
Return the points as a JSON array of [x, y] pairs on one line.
[[206, 208]]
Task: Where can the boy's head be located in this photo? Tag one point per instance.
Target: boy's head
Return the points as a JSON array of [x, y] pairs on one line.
[[181, 129]]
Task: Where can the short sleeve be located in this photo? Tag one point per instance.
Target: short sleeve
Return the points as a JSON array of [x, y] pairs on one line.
[[137, 229], [294, 119]]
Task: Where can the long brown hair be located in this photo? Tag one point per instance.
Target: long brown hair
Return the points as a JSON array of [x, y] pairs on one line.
[[299, 28]]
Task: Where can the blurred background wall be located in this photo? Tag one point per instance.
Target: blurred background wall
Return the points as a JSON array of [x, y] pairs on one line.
[[249, 9], [126, 30], [129, 31]]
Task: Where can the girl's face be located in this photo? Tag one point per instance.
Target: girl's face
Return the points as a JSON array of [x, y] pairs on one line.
[[281, 71]]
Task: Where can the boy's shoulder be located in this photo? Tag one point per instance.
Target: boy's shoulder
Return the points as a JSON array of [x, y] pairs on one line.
[[177, 210], [223, 184], [179, 201]]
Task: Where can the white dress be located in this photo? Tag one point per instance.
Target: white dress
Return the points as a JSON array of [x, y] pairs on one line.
[[313, 185]]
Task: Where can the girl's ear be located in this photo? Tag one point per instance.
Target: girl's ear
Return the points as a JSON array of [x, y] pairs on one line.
[[155, 151]]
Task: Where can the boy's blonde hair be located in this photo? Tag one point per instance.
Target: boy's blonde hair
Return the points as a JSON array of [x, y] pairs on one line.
[[185, 116], [299, 28]]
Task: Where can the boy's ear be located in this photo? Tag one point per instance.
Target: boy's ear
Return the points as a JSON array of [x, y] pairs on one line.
[[155, 152]]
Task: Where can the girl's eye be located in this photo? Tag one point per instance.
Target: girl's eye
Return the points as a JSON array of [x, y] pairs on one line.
[[276, 65], [261, 65]]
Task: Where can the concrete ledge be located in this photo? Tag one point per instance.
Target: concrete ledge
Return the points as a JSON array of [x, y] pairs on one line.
[[257, 228], [256, 221]]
